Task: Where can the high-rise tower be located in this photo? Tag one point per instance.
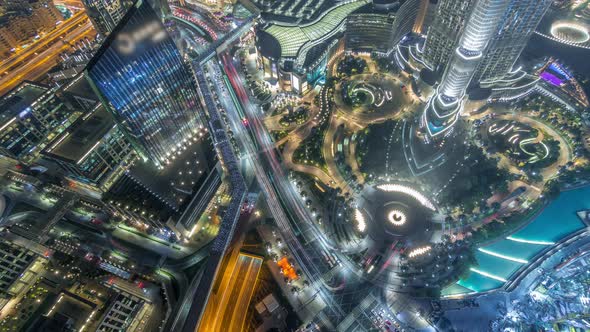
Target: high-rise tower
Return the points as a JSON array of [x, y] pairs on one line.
[[420, 22], [104, 14], [519, 21], [444, 33], [518, 24], [140, 75], [493, 34], [443, 108]]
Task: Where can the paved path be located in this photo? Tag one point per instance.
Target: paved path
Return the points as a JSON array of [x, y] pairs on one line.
[[565, 154], [293, 143], [272, 122], [329, 145]]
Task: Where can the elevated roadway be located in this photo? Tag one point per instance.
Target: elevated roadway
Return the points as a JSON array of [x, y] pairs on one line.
[[48, 39], [40, 64], [194, 303], [313, 254], [233, 295]]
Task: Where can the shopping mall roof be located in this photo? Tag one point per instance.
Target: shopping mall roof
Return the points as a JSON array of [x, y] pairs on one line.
[[292, 38], [268, 45]]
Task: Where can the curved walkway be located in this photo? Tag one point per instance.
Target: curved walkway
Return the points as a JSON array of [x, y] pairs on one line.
[[565, 153], [272, 123], [293, 143], [353, 121], [328, 147], [359, 115]]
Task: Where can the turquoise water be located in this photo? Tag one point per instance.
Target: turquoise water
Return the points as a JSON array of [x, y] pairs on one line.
[[559, 218], [478, 283], [497, 266], [506, 256], [525, 250]]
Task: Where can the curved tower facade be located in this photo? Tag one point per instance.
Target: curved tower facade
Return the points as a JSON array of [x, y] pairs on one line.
[[476, 40], [443, 109], [449, 19], [519, 23], [405, 19]]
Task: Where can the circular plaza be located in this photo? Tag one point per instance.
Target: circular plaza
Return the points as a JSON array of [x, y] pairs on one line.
[[396, 213], [393, 219]]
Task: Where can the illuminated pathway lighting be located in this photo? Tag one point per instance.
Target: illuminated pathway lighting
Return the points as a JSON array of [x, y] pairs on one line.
[[570, 32], [510, 258], [396, 217], [543, 243], [419, 251], [408, 191], [489, 275], [361, 224]]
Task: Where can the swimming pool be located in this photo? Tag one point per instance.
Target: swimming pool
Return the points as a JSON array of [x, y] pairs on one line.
[[499, 260]]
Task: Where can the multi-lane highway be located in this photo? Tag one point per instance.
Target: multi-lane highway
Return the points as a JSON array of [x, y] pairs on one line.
[[233, 295], [223, 91], [45, 54], [192, 306], [293, 218], [48, 39]]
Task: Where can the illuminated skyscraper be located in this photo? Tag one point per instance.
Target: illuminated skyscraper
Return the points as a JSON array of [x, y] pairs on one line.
[[444, 107], [519, 23], [445, 31], [421, 16], [93, 151], [405, 19], [490, 42], [140, 74], [104, 14], [31, 115]]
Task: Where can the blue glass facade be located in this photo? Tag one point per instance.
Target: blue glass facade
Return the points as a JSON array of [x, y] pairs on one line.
[[139, 72]]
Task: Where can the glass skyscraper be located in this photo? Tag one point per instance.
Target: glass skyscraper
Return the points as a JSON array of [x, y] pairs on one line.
[[445, 31], [140, 74]]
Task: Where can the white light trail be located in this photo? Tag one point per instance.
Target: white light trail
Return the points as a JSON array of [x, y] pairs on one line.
[[408, 191], [361, 224], [510, 258], [489, 275], [419, 251], [8, 123], [513, 137], [87, 153], [557, 31], [59, 141], [543, 243], [397, 217]]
